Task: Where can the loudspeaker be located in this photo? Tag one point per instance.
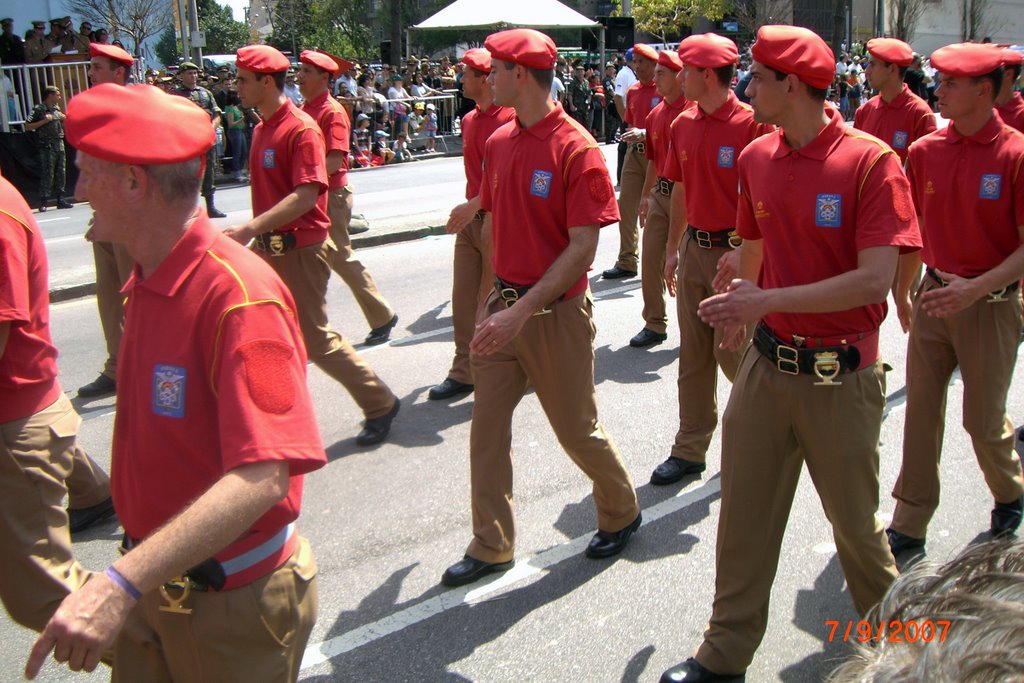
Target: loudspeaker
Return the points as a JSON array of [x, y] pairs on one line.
[[619, 34], [385, 52]]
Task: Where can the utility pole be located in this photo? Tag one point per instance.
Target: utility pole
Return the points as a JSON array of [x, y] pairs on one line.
[[196, 50]]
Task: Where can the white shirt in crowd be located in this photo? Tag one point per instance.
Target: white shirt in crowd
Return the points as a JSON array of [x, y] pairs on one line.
[[623, 80], [557, 89]]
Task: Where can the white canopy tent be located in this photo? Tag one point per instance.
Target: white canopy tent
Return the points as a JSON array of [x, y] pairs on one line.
[[478, 14]]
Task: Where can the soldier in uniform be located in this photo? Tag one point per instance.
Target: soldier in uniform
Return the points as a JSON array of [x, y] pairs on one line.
[[71, 40], [702, 251], [108, 64], [37, 47], [641, 98], [1009, 103], [48, 121], [314, 83], [578, 97], [188, 74], [212, 438], [547, 192], [290, 227], [824, 212], [969, 192], [12, 48]]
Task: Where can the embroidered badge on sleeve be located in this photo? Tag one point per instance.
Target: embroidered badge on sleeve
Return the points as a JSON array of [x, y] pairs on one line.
[[267, 374]]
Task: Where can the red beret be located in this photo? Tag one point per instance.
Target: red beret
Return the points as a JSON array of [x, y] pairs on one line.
[[798, 51], [523, 46], [478, 58], [116, 123], [261, 59], [645, 51], [708, 51], [321, 60], [891, 51], [111, 52], [1012, 57], [670, 59], [967, 60]]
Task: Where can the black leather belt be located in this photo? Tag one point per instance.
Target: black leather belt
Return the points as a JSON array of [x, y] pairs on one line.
[[993, 297], [723, 239], [511, 293], [664, 186], [825, 362], [275, 243], [204, 577], [638, 146]]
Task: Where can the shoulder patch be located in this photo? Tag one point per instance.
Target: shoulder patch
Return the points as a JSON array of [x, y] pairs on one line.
[[599, 185], [902, 204], [267, 375]]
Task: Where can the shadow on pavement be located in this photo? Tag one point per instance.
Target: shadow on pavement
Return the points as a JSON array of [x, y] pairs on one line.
[[626, 365]]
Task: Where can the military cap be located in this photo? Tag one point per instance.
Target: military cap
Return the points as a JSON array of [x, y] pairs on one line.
[[320, 60], [708, 51], [798, 51], [967, 60], [111, 52], [524, 46], [669, 59], [187, 66], [261, 59], [891, 51], [645, 51]]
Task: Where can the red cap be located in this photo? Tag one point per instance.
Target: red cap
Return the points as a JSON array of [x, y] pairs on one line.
[[478, 58], [670, 59], [798, 51], [967, 60], [708, 51], [111, 52], [891, 51], [523, 46], [645, 51], [261, 59], [1012, 58], [115, 123], [321, 60]]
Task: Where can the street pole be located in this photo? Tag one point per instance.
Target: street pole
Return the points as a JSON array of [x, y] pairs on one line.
[[193, 26]]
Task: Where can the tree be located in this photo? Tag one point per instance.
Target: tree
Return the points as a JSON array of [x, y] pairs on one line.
[[224, 35], [341, 27], [903, 18], [168, 48], [753, 14], [976, 19], [663, 18], [132, 21]]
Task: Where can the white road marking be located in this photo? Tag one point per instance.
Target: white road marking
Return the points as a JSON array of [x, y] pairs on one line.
[[68, 238], [51, 220], [542, 562]]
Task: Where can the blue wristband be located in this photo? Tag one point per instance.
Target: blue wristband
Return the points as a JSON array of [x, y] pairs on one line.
[[124, 583]]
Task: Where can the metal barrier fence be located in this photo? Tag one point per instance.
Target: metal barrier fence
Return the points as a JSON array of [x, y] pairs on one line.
[[403, 115]]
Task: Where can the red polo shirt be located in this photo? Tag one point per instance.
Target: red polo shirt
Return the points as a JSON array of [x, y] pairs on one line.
[[334, 123], [641, 98], [703, 153], [288, 151], [970, 195], [898, 123], [477, 126], [1012, 113], [816, 208], [28, 363], [659, 123], [540, 181], [211, 376]]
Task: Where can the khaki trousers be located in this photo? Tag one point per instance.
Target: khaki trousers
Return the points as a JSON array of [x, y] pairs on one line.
[[982, 340], [775, 423], [305, 271], [555, 353], [113, 267], [473, 275], [375, 309], [699, 352], [631, 186], [254, 633], [652, 269], [37, 567]]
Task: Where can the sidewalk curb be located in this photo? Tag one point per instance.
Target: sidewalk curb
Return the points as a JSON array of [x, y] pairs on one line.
[[84, 289]]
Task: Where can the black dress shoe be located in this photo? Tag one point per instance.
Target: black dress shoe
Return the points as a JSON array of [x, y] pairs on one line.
[[469, 570], [609, 543], [646, 337], [617, 273], [101, 386], [1006, 517], [692, 671], [449, 388], [214, 212], [42, 208], [674, 469], [64, 204], [80, 519], [379, 335], [901, 543], [376, 429]]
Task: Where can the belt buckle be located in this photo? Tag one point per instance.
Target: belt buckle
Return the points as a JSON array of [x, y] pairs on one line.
[[276, 244], [509, 295], [664, 187], [998, 295], [787, 360], [703, 238], [735, 241], [640, 147], [826, 368], [174, 605]]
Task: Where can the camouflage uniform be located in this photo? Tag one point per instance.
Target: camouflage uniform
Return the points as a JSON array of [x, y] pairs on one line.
[[578, 93], [205, 100], [51, 152]]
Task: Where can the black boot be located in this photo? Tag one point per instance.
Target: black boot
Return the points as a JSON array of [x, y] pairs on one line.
[[43, 204], [211, 210], [64, 204]]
